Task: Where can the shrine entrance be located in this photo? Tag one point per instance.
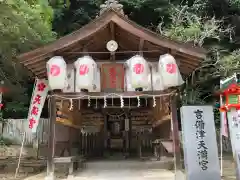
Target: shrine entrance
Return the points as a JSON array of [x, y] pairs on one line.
[[116, 132], [121, 132]]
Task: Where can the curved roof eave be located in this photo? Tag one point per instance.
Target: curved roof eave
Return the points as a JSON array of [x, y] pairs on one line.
[[101, 22]]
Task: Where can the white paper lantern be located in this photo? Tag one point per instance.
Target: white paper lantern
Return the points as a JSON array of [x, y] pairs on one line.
[[128, 84], [56, 71], [138, 72], [86, 70], [169, 70], [96, 84], [70, 79], [157, 81]]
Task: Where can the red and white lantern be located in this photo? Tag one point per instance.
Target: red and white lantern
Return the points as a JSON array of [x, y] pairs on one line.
[[169, 71], [56, 71], [157, 81], [138, 72], [86, 73], [128, 84]]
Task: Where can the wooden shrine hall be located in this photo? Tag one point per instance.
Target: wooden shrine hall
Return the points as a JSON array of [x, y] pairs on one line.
[[112, 119]]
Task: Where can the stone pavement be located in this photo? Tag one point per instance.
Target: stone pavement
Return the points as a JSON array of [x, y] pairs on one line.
[[228, 168], [128, 171], [126, 174], [123, 170], [116, 170]]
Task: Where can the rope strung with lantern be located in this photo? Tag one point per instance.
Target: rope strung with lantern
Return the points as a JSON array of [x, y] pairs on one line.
[[110, 95]]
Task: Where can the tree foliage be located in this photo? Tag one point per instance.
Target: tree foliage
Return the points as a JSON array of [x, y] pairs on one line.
[[24, 25]]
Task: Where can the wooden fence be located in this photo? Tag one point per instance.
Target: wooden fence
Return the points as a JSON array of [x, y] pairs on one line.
[[14, 130]]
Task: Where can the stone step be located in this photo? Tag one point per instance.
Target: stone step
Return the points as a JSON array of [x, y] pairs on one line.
[[127, 164]]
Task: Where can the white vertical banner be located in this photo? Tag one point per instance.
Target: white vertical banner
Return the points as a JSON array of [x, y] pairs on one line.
[[237, 159], [39, 95], [234, 129], [199, 142]]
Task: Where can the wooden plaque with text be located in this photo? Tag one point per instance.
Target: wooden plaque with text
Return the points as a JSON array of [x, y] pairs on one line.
[[112, 77]]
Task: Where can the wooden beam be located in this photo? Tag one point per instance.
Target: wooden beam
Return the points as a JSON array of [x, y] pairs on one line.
[[73, 47], [173, 52], [187, 56], [42, 74], [37, 65], [40, 70], [161, 121], [112, 30], [113, 37], [35, 60], [141, 44], [101, 95], [156, 39]]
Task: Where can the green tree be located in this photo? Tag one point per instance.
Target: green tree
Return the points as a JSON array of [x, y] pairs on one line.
[[24, 25], [77, 13]]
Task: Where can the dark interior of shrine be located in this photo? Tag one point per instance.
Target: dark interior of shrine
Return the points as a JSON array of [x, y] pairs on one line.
[[113, 131]]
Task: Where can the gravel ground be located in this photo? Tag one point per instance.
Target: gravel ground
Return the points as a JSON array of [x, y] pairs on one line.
[[228, 168], [228, 173], [25, 176]]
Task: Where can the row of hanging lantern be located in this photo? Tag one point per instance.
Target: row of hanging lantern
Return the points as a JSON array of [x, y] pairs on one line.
[[167, 73], [85, 73]]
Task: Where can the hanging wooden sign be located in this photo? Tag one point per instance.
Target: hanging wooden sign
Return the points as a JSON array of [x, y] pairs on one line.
[[112, 77]]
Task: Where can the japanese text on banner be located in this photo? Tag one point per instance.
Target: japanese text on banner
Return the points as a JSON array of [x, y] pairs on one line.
[[37, 102]]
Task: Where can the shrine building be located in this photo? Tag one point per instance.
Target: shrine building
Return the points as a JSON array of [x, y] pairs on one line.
[[107, 109]]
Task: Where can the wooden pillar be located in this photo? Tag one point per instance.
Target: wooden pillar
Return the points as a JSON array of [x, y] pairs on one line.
[[106, 141], [80, 143], [51, 139], [175, 133], [70, 142], [130, 135], [126, 133]]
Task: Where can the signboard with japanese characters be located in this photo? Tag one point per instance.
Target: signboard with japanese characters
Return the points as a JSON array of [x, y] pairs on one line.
[[39, 95], [200, 145], [234, 129], [112, 77]]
